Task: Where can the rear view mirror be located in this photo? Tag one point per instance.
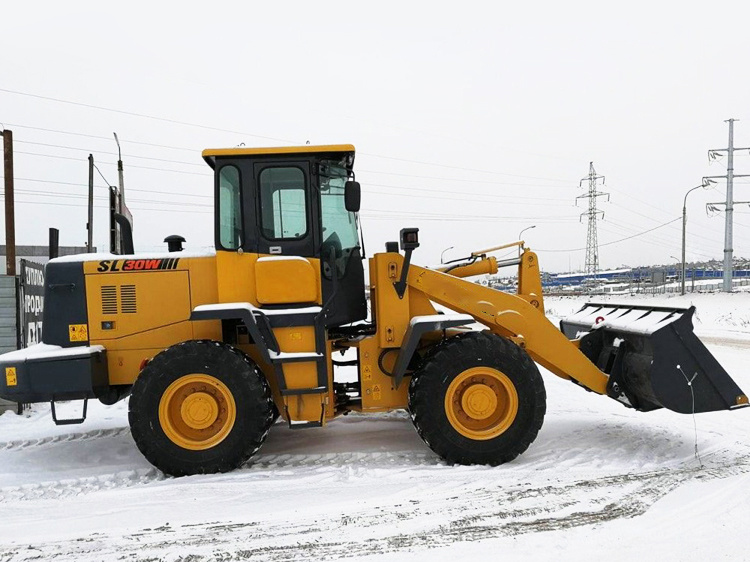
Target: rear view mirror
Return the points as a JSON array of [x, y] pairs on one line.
[[352, 196]]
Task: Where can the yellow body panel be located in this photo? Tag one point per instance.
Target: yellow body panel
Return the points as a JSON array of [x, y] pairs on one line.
[[235, 277], [141, 302], [286, 280], [147, 310], [393, 313], [378, 390]]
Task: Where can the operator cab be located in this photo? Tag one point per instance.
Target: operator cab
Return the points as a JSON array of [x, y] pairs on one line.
[[295, 201]]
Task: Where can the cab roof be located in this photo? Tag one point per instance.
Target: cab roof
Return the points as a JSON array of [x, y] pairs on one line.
[[210, 154]]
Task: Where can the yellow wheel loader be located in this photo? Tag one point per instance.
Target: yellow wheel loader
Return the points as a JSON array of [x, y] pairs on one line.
[[213, 347]]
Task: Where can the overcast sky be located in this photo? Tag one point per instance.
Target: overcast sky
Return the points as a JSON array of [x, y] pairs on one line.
[[472, 120]]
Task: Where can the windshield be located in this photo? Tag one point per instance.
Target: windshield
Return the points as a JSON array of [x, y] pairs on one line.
[[339, 225]]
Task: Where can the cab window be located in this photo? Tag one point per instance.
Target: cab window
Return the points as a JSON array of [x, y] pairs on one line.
[[283, 203], [230, 208]]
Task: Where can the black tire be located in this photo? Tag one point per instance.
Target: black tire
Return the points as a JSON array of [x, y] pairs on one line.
[[235, 373], [444, 364]]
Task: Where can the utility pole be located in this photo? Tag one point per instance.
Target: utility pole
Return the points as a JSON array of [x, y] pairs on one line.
[[592, 244], [121, 175], [10, 211], [706, 183], [729, 205], [90, 224]]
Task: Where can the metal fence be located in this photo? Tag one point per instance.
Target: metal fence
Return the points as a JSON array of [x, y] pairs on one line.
[[21, 307], [9, 340]]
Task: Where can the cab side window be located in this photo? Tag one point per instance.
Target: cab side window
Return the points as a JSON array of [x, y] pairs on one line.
[[283, 203], [230, 208]]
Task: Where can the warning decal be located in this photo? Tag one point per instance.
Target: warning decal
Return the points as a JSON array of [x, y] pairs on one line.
[[78, 332]]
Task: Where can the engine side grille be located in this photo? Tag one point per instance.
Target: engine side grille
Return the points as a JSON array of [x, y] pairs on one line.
[[109, 299], [127, 299]]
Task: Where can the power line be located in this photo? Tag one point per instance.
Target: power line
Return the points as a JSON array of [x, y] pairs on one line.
[[617, 241], [462, 180], [201, 164], [210, 128], [143, 115], [102, 175], [512, 198], [448, 166], [656, 241], [112, 163], [108, 139], [81, 184]]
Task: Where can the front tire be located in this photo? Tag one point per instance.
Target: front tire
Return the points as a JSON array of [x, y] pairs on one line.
[[477, 398], [200, 407]]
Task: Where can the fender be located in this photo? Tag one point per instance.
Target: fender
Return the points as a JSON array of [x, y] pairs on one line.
[[419, 326], [244, 311]]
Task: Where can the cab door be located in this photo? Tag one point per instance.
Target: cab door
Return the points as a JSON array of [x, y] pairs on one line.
[[285, 209]]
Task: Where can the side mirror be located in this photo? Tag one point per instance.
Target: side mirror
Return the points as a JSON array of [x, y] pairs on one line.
[[352, 196]]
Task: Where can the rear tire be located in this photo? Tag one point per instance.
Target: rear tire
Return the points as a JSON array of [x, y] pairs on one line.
[[477, 398], [200, 407]]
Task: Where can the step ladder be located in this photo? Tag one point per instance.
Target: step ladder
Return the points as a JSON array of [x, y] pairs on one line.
[[308, 316]]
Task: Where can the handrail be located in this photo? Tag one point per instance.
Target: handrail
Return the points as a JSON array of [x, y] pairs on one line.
[[495, 248]]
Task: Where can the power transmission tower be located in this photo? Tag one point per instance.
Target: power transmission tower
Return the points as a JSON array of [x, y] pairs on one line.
[[592, 245], [713, 154]]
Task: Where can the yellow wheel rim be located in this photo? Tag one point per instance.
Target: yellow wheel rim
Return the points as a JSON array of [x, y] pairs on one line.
[[197, 412], [481, 403]]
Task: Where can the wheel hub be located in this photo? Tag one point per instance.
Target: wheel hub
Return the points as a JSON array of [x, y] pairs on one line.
[[479, 401], [199, 410]]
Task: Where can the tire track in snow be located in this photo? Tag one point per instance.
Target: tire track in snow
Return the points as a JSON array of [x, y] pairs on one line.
[[424, 519], [65, 438], [69, 487]]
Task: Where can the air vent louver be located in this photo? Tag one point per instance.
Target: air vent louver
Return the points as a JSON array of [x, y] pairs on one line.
[[109, 299], [127, 299]]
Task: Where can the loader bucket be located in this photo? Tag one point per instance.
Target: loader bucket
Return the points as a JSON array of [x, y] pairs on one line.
[[653, 358]]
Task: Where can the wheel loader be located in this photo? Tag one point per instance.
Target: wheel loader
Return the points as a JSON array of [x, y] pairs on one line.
[[213, 347]]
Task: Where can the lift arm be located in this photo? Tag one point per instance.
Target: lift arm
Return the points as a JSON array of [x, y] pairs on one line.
[[515, 317]]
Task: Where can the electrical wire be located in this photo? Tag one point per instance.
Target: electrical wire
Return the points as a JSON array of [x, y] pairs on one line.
[[616, 241], [109, 139], [508, 199], [183, 162], [143, 115], [102, 175], [265, 137]]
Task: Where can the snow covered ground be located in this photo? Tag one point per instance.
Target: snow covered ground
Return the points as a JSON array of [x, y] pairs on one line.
[[601, 482]]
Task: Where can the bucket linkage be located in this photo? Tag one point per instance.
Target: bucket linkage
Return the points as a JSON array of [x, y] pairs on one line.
[[653, 358]]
